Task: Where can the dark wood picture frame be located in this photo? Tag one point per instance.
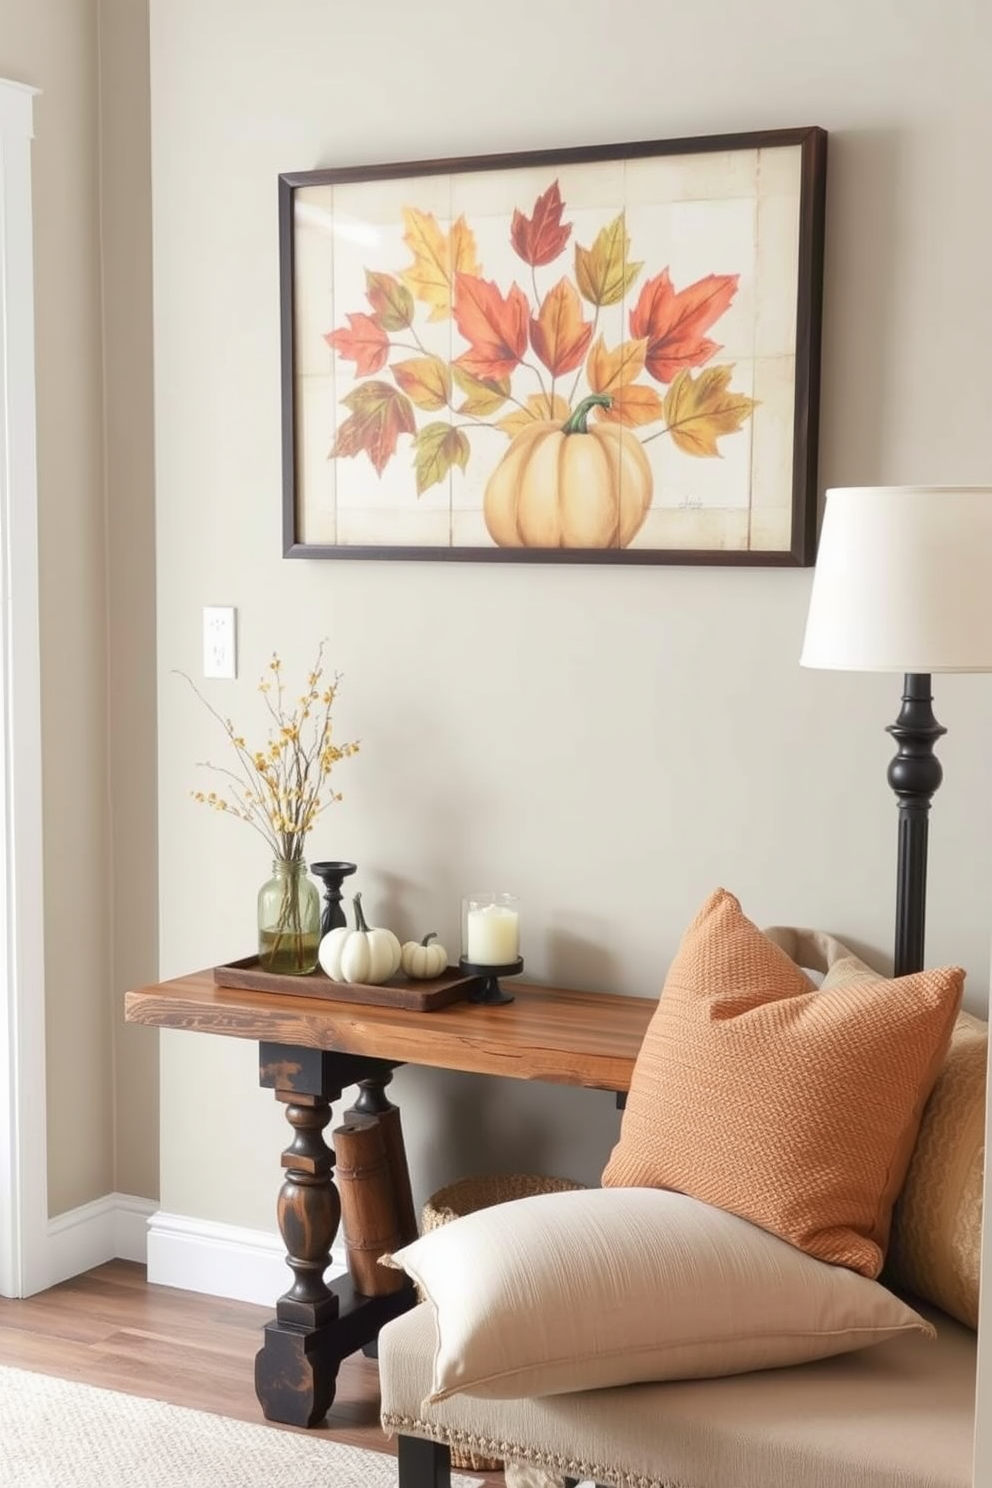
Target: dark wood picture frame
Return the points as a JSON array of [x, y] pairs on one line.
[[610, 309]]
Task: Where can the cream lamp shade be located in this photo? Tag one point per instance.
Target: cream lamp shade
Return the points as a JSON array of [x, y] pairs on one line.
[[903, 581]]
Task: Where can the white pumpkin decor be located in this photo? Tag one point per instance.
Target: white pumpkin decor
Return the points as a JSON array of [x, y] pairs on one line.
[[422, 960], [365, 954]]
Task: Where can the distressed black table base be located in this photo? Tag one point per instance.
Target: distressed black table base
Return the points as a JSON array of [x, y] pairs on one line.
[[588, 1040], [316, 1324]]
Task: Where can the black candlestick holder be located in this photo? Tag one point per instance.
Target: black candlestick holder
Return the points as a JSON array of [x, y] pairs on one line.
[[333, 875], [489, 990]]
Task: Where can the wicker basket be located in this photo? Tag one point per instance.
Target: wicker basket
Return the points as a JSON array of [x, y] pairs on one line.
[[465, 1197]]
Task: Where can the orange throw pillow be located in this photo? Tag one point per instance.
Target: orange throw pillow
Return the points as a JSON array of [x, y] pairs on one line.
[[792, 1107]]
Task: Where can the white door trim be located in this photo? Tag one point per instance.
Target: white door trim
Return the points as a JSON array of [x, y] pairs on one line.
[[23, 1137]]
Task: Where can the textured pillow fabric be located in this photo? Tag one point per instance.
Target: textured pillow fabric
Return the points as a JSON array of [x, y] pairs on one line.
[[599, 1287], [791, 1106]]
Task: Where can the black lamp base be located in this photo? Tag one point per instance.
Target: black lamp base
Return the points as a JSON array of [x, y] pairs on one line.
[[914, 774], [489, 992]]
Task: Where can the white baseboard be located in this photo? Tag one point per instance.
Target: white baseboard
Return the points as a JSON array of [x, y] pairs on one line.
[[112, 1227], [200, 1255]]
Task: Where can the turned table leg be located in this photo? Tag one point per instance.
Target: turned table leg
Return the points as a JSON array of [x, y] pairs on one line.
[[316, 1325], [294, 1373]]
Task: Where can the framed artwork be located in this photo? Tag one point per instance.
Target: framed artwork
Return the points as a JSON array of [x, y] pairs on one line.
[[607, 354]]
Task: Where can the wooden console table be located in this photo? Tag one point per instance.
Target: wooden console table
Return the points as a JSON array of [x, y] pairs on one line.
[[309, 1052]]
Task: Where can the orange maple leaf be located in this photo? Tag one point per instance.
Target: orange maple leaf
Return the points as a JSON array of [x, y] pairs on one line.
[[366, 344], [609, 370], [699, 410], [379, 416], [673, 321], [540, 237], [559, 335], [633, 405], [494, 325]]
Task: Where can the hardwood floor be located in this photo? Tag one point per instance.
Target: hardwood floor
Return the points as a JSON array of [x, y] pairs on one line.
[[110, 1328]]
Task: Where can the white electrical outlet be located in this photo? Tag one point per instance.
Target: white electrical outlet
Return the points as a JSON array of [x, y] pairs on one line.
[[220, 644]]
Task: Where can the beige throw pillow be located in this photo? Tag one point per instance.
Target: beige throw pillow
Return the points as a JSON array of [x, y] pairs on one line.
[[578, 1291]]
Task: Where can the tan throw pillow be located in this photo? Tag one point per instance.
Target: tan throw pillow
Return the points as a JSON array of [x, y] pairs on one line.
[[794, 1107], [601, 1287], [936, 1244]]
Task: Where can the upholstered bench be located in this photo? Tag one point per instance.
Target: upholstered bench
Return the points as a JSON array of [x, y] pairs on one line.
[[898, 1415], [511, 1354]]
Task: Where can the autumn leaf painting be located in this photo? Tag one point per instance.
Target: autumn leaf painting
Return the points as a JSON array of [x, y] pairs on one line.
[[563, 355]]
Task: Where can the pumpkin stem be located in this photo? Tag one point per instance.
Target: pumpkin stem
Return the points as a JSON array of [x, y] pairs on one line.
[[360, 921], [577, 423], [428, 938]]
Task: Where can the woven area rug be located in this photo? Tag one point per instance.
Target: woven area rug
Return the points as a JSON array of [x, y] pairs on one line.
[[58, 1434]]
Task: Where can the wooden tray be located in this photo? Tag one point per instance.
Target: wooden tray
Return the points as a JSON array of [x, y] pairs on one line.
[[419, 997]]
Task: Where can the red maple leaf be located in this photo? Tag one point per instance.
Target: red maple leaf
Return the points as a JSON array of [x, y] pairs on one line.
[[673, 321], [380, 414], [495, 326], [366, 344], [540, 237]]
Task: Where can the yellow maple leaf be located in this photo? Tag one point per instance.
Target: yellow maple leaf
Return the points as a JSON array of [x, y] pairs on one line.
[[436, 449], [425, 380], [610, 370], [437, 258], [462, 250], [540, 409], [483, 395], [603, 272], [698, 410]]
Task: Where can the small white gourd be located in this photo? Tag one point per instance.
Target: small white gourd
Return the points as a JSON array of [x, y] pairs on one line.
[[366, 954], [422, 960]]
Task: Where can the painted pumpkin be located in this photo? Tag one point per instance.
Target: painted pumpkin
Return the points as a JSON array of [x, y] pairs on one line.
[[424, 959], [364, 954], [570, 486]]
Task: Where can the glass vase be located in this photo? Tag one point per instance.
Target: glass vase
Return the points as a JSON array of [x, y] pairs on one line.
[[288, 920]]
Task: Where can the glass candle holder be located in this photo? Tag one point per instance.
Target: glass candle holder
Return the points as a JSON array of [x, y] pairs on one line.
[[491, 929]]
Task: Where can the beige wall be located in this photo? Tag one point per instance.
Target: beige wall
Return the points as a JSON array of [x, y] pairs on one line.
[[654, 735], [95, 943], [126, 251]]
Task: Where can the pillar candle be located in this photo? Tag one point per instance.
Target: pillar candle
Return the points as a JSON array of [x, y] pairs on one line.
[[492, 936]]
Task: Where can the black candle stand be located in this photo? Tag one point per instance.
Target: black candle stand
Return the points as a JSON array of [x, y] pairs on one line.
[[333, 875], [490, 992]]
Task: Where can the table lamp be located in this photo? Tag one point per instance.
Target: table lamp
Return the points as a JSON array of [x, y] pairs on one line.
[[903, 583]]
